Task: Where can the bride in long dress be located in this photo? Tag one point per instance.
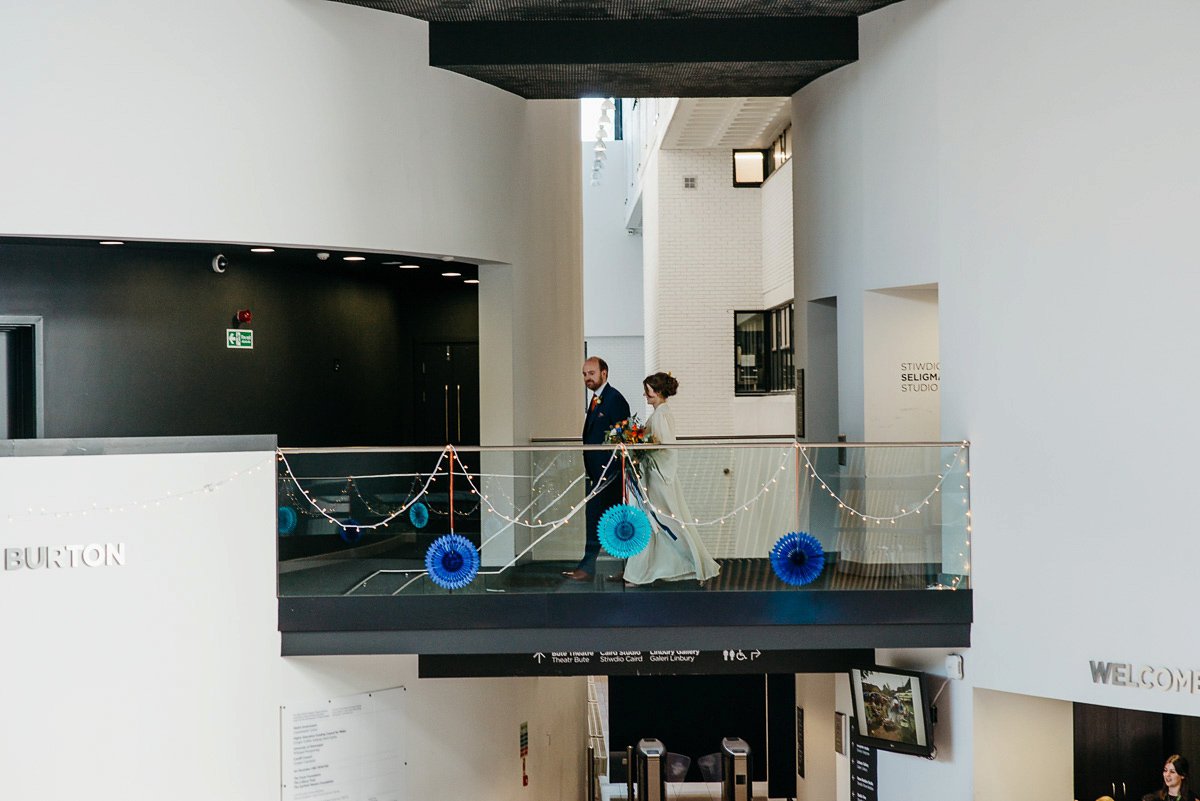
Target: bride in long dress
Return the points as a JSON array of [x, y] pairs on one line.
[[675, 551]]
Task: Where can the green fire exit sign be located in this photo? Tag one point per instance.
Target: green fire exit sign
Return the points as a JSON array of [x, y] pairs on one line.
[[238, 339]]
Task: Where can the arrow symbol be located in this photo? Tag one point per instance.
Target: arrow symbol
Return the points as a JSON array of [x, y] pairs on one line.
[[757, 653], [539, 656]]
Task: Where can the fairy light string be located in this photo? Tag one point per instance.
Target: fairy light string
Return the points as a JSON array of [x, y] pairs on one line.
[[552, 527], [365, 526], [158, 501], [531, 515], [916, 510]]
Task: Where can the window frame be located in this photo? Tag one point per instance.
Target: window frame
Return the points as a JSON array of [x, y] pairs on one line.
[[774, 369]]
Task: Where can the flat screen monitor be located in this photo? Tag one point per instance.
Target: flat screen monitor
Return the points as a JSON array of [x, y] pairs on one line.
[[891, 710]]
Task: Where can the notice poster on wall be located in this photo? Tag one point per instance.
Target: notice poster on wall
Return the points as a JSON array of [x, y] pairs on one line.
[[344, 749]]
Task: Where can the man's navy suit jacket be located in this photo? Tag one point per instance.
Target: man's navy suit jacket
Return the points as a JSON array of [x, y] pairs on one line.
[[611, 410]]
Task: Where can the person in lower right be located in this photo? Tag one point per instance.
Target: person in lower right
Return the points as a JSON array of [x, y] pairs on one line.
[[1175, 782]]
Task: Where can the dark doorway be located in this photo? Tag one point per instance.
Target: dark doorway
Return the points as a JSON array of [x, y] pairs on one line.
[[1120, 752], [20, 377], [690, 715], [447, 393]]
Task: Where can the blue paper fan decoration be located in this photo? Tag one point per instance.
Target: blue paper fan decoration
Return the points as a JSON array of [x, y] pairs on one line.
[[452, 561], [624, 530], [797, 558], [287, 519], [418, 515], [351, 532]]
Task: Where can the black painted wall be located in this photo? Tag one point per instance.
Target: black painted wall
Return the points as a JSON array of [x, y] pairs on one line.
[[135, 340], [690, 715]]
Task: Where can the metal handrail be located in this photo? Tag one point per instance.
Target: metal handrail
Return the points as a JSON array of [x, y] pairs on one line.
[[609, 447]]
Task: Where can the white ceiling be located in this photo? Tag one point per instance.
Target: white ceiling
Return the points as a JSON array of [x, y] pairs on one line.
[[701, 123]]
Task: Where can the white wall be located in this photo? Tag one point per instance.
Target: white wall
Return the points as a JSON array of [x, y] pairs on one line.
[[626, 360], [1037, 162], [816, 694], [612, 276], [1023, 747], [703, 262], [162, 678], [778, 266], [612, 257], [900, 368], [303, 123], [547, 286], [708, 252]]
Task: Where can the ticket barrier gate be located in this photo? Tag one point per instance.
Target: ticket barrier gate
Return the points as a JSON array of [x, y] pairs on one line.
[[735, 770], [646, 779], [650, 767]]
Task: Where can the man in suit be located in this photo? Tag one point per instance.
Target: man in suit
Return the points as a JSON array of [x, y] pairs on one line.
[[606, 407]]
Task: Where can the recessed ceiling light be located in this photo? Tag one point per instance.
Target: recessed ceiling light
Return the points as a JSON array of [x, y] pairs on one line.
[[262, 250], [452, 275], [111, 242], [447, 258], [354, 258], [471, 281], [410, 266]]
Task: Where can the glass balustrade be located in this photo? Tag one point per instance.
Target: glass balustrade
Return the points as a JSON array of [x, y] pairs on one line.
[[782, 517]]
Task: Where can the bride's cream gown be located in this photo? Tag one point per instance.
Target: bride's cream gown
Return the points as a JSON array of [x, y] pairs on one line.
[[675, 551]]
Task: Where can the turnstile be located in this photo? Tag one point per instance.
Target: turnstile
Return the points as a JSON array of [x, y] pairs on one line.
[[651, 770], [735, 770]]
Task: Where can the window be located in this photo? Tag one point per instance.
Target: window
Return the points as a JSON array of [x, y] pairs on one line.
[[752, 167], [762, 343], [749, 167]]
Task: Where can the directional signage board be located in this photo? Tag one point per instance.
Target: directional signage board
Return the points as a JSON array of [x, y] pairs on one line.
[[864, 769], [239, 338], [641, 663]]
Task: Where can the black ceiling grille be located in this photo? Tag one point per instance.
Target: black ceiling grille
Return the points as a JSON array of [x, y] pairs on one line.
[[521, 10], [704, 79], [648, 58], [639, 48]]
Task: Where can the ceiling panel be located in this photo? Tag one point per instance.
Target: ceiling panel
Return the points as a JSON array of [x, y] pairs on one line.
[[726, 122]]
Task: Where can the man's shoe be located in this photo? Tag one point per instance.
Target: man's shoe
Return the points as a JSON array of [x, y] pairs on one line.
[[578, 575], [617, 577]]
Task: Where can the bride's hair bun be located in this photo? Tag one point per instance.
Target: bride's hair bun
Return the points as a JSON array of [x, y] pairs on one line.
[[664, 384]]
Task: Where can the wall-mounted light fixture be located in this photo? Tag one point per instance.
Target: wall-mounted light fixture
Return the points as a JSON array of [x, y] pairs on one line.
[[242, 317]]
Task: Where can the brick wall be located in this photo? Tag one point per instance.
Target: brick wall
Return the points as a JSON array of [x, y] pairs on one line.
[[777, 258], [703, 259]]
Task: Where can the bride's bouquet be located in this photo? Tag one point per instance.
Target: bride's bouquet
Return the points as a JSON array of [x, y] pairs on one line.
[[630, 432]]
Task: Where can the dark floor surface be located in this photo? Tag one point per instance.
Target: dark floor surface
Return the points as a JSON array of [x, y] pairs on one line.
[[380, 574]]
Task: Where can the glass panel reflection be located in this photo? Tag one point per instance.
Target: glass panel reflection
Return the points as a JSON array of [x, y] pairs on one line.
[[361, 522]]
